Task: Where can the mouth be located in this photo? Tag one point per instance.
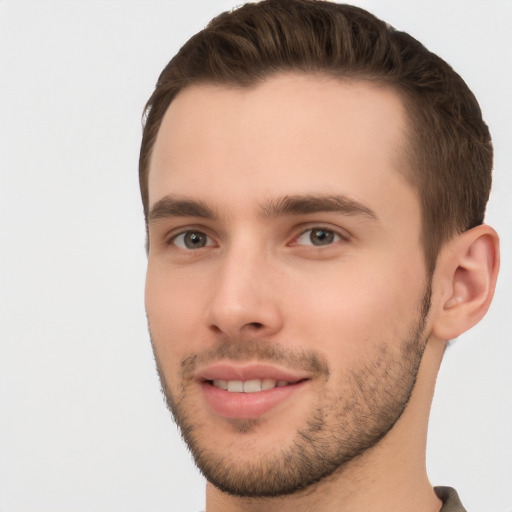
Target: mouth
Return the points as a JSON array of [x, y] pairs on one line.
[[249, 391]]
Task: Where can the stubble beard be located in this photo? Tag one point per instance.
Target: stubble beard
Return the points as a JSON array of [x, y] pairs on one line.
[[372, 399]]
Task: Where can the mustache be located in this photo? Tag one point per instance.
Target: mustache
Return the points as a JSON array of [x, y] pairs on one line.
[[256, 351]]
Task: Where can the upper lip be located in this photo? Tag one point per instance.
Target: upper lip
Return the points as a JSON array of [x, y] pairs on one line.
[[249, 371]]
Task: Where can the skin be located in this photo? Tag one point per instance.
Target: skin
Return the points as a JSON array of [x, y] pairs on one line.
[[355, 303]]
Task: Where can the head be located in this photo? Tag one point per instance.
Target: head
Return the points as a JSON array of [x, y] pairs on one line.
[[303, 165]]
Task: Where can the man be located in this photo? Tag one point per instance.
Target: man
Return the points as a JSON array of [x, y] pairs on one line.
[[314, 184]]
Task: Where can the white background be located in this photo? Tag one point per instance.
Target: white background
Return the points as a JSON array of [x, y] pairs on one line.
[[83, 427]]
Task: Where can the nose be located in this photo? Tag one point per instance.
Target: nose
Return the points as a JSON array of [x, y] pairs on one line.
[[245, 301]]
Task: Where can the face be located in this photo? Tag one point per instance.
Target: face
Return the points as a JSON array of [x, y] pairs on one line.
[[286, 289]]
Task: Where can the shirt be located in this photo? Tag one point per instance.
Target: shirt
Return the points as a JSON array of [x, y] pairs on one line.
[[450, 499]]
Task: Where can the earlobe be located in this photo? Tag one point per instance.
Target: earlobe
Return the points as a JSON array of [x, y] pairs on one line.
[[467, 270]]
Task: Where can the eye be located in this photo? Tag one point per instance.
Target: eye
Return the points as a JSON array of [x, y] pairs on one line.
[[192, 240], [318, 236]]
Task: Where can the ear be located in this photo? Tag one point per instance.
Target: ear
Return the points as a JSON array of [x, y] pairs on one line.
[[465, 278]]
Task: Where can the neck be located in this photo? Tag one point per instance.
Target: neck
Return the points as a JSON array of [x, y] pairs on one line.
[[390, 476]]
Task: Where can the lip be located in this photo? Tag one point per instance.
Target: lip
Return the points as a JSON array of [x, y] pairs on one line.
[[249, 405], [249, 371]]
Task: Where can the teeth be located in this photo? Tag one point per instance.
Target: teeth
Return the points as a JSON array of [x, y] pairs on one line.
[[268, 384], [252, 386], [248, 386], [235, 386], [222, 384]]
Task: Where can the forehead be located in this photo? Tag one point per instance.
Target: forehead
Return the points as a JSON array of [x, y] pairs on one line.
[[288, 135]]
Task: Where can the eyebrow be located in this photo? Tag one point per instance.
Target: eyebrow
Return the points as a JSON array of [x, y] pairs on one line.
[[172, 206], [316, 203]]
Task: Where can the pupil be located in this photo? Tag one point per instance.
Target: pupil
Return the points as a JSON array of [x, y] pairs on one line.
[[321, 237]]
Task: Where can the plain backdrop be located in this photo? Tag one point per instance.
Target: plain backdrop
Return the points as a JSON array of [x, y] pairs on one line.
[[83, 426]]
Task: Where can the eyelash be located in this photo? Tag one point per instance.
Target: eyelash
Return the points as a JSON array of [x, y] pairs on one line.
[[172, 240], [336, 235]]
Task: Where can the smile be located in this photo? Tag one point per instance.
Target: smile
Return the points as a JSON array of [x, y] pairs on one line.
[[246, 399], [249, 390]]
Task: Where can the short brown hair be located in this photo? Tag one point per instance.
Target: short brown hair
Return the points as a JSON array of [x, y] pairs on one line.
[[449, 151]]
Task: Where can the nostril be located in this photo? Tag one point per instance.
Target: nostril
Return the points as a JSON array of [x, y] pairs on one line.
[[256, 325], [215, 329]]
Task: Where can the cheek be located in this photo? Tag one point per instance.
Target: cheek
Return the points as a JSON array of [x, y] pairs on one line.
[[174, 312], [349, 312]]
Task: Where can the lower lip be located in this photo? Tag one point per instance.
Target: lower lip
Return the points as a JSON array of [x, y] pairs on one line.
[[248, 405]]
